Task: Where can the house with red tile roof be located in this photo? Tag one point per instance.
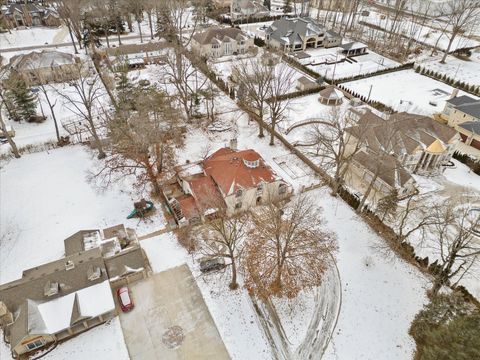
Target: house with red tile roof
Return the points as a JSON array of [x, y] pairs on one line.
[[228, 180]]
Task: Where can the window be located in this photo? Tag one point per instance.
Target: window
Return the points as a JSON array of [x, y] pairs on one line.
[[239, 193], [242, 42], [35, 344], [238, 205], [215, 46], [282, 189], [259, 188]]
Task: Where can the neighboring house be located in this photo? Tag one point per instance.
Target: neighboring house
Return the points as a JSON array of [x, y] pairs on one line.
[[222, 3], [353, 49], [18, 15], [45, 67], [135, 55], [217, 42], [470, 133], [461, 109], [228, 179], [420, 144], [240, 9], [62, 298], [299, 34]]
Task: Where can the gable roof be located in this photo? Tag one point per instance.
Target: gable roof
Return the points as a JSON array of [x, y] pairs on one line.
[[472, 126], [217, 34], [353, 46], [472, 109], [291, 31], [42, 59], [461, 100], [387, 167], [229, 171]]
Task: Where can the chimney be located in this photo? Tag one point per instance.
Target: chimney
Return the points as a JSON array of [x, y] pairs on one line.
[[233, 144], [454, 93]]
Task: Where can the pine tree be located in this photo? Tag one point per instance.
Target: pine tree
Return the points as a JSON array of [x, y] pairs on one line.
[[22, 99]]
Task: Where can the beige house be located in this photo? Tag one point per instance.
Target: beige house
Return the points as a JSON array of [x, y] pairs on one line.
[[135, 55], [461, 109], [62, 298], [241, 9], [228, 179], [386, 173], [419, 143], [299, 34], [470, 133], [46, 66], [216, 42]]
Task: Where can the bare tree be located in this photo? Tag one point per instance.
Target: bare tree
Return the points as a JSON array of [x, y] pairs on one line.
[[462, 16], [254, 77], [225, 238], [455, 238], [336, 143], [183, 75], [280, 84], [288, 249], [83, 98], [143, 144], [70, 11]]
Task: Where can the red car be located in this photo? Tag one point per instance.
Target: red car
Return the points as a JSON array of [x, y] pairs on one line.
[[124, 298]]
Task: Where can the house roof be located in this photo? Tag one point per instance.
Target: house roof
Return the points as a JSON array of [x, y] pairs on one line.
[[42, 59], [353, 46], [31, 8], [387, 167], [217, 34], [472, 109], [402, 134], [53, 316], [461, 100], [331, 92], [130, 260], [149, 47], [205, 192], [472, 126], [306, 81], [229, 170], [291, 31]]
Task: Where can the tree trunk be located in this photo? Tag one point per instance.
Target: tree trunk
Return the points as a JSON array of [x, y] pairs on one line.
[[367, 193], [260, 124], [57, 132], [272, 131], [140, 30], [101, 153], [9, 138], [71, 36], [96, 64], [106, 37], [150, 24], [444, 58], [233, 284]]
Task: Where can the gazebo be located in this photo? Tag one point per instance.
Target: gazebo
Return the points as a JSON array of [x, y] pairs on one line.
[[353, 48], [331, 96]]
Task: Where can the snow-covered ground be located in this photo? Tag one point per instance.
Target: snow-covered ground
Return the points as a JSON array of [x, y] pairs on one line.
[[405, 91], [46, 198], [371, 62], [33, 36], [467, 71]]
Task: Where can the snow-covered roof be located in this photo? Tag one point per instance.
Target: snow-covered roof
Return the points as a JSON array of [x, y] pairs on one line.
[[53, 316], [42, 59], [353, 46]]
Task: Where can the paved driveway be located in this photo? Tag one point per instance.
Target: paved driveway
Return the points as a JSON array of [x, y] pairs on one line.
[[170, 320]]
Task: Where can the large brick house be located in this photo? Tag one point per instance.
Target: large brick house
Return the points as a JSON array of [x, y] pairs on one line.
[[18, 15], [228, 179]]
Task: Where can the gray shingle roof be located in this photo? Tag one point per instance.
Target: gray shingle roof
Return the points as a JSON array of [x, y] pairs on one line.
[[472, 126], [353, 46], [461, 100], [218, 34], [292, 31], [472, 109]]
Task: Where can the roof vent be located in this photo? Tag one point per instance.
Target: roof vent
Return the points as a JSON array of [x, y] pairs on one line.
[[69, 265], [251, 164], [50, 289]]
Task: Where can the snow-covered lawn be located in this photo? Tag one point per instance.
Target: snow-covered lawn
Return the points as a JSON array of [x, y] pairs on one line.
[[455, 68], [380, 294], [371, 62], [463, 175], [405, 91], [37, 35], [46, 198]]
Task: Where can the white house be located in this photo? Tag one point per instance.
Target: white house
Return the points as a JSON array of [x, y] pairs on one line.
[[217, 42]]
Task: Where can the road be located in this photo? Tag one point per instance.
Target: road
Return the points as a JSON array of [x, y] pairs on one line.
[[328, 299]]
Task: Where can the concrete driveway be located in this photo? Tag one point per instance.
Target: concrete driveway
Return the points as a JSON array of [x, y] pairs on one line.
[[170, 320]]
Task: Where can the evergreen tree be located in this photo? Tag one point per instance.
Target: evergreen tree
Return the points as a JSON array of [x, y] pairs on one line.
[[22, 100]]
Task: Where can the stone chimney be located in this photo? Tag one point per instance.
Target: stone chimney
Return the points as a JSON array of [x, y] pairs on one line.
[[454, 93], [234, 144]]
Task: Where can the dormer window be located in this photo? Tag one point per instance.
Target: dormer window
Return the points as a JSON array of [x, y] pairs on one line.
[[259, 188], [50, 289], [239, 193], [251, 164], [94, 273]]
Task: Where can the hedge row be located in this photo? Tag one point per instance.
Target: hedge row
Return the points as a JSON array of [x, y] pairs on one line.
[[462, 85], [375, 73]]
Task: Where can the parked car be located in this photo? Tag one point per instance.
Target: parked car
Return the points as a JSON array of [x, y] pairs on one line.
[[215, 264], [124, 298]]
